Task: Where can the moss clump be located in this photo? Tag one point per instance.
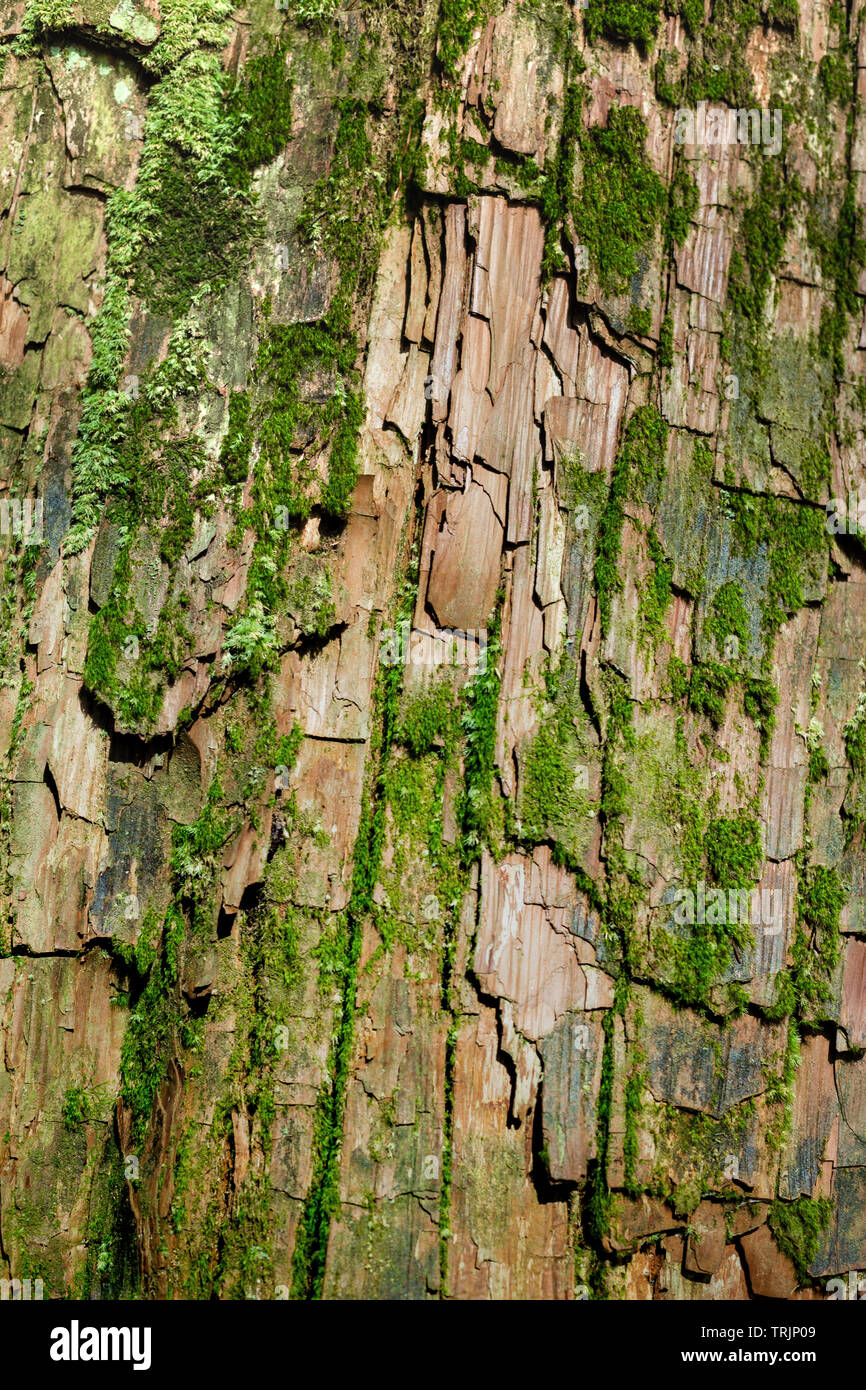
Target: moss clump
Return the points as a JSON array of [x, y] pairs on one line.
[[666, 341], [717, 70], [344, 952], [639, 321], [695, 956], [629, 21], [708, 690], [250, 645], [691, 12], [760, 698], [76, 1107], [557, 197], [199, 240], [733, 850], [841, 250], [621, 198], [678, 677], [728, 618], [796, 541], [477, 808], [551, 804], [797, 1228], [835, 76], [429, 720], [854, 736], [656, 596], [816, 948], [819, 765], [458, 21], [310, 600], [160, 1025], [238, 443]]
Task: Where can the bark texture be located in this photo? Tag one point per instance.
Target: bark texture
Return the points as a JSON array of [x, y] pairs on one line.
[[433, 703]]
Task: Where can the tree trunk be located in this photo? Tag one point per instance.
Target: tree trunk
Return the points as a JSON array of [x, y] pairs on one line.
[[433, 702]]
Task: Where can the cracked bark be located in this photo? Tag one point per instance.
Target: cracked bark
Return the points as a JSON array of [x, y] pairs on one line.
[[399, 1058]]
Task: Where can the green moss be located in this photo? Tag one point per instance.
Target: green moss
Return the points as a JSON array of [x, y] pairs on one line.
[[458, 20], [429, 720], [633, 1092], [629, 21], [692, 13], [621, 198], [238, 443], [42, 17], [313, 12], [204, 132], [577, 488], [599, 1199], [666, 341], [309, 598], [841, 250], [678, 677], [76, 1107], [258, 105], [550, 802], [798, 1227], [802, 989], [111, 1263], [655, 597], [637, 471], [250, 645], [854, 737], [733, 850], [717, 69], [156, 1027], [477, 808], [288, 747], [796, 541], [694, 957], [639, 321], [760, 698], [835, 76], [708, 690], [819, 766], [682, 206], [764, 229], [729, 617], [558, 185], [344, 955]]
